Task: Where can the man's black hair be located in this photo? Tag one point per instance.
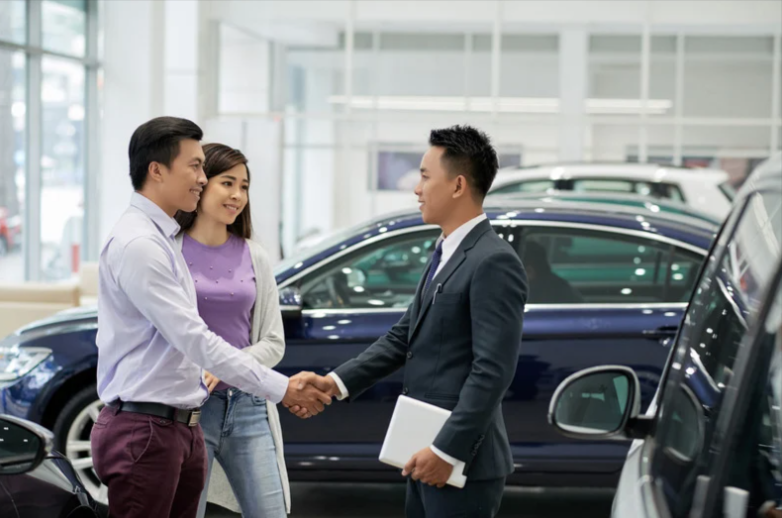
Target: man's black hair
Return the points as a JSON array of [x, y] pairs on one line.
[[468, 152], [158, 141]]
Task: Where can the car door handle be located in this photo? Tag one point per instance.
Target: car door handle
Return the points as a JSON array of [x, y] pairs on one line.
[[661, 332]]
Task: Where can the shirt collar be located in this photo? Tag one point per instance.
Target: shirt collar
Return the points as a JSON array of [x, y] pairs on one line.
[[452, 242], [165, 223]]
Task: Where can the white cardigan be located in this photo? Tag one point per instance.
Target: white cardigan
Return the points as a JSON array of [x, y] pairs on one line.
[[268, 347]]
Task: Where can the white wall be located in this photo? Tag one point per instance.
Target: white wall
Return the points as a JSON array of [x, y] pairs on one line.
[[132, 94]]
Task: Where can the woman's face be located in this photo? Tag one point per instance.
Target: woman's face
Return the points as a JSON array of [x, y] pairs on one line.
[[225, 195]]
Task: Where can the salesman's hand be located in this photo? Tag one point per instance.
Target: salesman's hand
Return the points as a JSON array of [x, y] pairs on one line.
[[306, 392], [324, 383], [210, 380], [427, 467]]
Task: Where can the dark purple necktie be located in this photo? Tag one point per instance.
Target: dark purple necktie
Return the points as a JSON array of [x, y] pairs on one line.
[[436, 256]]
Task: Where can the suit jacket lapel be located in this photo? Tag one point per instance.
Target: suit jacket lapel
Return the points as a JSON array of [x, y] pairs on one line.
[[458, 257]]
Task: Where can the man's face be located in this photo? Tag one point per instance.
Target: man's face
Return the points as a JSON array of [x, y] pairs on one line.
[[436, 188], [183, 182]]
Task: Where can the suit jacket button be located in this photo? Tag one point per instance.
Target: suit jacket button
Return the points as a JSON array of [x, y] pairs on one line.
[[409, 354], [405, 391]]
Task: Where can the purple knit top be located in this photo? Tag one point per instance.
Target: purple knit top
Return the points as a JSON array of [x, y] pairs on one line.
[[225, 284]]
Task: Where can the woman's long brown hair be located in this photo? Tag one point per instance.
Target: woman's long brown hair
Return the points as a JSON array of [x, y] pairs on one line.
[[219, 159]]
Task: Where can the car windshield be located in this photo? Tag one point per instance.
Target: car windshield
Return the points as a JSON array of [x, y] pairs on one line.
[[318, 245]]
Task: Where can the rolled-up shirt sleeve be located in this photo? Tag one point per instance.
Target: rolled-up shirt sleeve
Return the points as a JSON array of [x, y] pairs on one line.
[[146, 274]]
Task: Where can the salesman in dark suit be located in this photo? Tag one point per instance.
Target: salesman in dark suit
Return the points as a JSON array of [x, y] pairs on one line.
[[459, 339]]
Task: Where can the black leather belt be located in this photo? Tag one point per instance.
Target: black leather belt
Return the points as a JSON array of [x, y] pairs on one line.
[[190, 417]]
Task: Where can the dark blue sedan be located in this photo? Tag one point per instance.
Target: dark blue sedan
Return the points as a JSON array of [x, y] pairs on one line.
[[629, 275]]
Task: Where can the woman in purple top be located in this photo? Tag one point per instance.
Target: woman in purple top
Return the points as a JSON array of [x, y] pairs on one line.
[[238, 300]]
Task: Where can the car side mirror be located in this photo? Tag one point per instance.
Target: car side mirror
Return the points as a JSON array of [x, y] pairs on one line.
[[598, 403], [290, 301], [23, 445]]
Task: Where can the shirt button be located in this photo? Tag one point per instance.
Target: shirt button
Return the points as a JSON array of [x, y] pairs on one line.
[[405, 391], [409, 354]]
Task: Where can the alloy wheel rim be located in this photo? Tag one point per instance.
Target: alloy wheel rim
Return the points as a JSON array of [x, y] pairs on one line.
[[79, 450]]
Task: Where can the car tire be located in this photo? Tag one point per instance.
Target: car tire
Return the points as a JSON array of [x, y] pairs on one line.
[[3, 246], [72, 437]]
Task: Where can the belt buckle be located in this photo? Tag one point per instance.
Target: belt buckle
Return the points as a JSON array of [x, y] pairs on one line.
[[195, 417]]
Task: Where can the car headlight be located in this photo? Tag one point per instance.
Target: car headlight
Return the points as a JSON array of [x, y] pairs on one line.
[[16, 361]]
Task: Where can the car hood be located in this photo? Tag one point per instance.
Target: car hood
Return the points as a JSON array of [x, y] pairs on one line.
[[68, 316]]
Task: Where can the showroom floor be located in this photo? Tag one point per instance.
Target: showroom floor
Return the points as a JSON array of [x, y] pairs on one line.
[[320, 500]]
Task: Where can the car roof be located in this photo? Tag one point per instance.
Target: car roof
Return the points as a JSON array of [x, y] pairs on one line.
[[646, 203], [648, 172], [694, 232]]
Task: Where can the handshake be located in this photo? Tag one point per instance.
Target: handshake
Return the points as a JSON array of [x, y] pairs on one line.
[[308, 394]]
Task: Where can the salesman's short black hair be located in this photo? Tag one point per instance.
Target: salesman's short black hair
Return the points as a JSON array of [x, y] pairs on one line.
[[158, 141], [468, 152]]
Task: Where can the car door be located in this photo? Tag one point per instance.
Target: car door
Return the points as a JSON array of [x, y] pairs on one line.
[[598, 295], [349, 301], [352, 299], [745, 476], [684, 444]]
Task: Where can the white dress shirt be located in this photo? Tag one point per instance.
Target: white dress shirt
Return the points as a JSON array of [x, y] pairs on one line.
[[152, 344], [450, 244]]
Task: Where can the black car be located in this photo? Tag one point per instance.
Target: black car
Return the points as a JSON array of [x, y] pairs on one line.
[[36, 482]]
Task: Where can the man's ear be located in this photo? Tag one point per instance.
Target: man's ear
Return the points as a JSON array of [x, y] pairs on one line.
[[155, 172], [460, 188]]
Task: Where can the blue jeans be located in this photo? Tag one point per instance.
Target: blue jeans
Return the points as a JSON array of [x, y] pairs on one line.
[[237, 434]]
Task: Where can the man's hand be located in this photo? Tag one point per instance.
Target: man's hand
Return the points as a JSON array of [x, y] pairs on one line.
[[326, 384], [427, 467], [306, 392], [210, 380]]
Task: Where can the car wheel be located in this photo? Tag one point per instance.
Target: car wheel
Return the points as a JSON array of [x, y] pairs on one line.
[[3, 246], [72, 438]]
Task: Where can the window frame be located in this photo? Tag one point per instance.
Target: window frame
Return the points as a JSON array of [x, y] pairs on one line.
[[34, 53], [294, 279]]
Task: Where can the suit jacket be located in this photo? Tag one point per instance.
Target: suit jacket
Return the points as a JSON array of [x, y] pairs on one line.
[[459, 342]]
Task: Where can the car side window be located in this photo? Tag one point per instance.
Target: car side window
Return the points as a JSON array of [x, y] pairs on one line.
[[526, 186], [603, 185], [714, 327], [381, 275], [566, 266], [755, 457]]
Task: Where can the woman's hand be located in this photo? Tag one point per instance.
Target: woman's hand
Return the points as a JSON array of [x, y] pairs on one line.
[[210, 380]]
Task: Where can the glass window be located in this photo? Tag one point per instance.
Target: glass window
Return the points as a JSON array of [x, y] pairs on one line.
[[716, 322], [614, 66], [521, 53], [603, 186], [529, 186], [654, 189], [13, 20], [382, 276], [756, 456], [728, 76], [12, 164], [62, 167], [566, 266], [64, 26]]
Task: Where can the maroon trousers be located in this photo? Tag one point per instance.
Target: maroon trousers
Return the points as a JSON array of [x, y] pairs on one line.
[[153, 467]]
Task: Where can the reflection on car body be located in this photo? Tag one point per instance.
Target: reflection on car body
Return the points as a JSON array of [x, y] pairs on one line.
[[634, 275]]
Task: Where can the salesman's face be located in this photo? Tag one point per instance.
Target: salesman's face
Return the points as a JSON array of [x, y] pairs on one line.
[[436, 188], [183, 182]]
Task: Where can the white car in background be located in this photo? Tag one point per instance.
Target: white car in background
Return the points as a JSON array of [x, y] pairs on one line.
[[707, 190]]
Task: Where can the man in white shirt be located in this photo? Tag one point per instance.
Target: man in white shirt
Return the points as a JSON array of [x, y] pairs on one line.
[[459, 340], [153, 346]]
